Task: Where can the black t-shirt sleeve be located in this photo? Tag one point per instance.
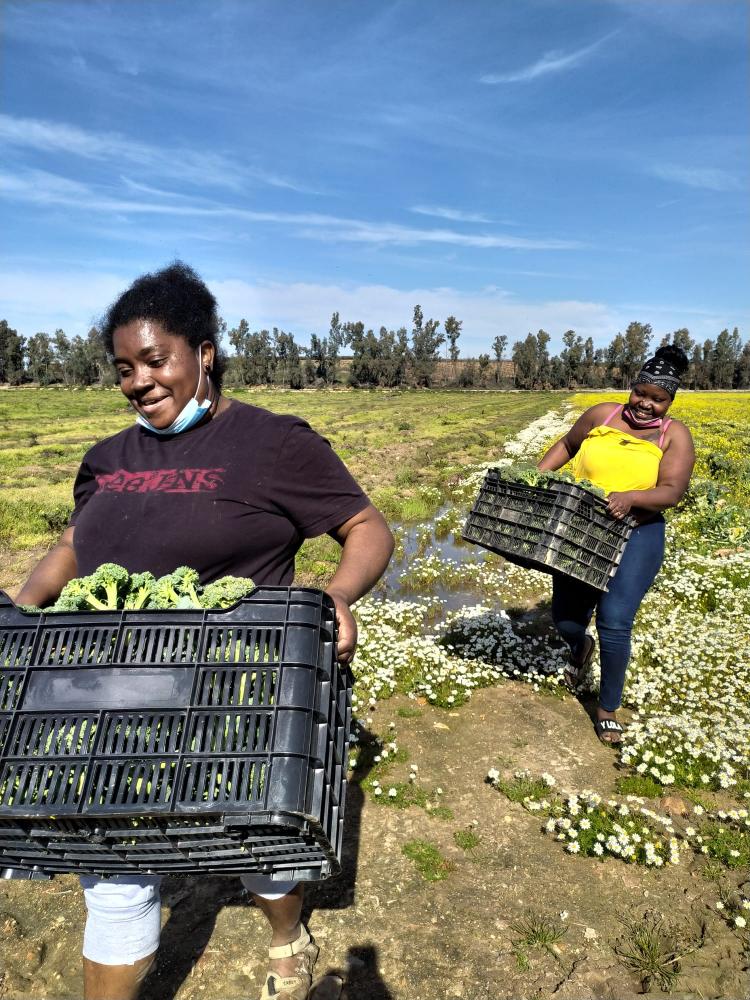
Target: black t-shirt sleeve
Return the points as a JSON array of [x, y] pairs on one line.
[[312, 485], [83, 489]]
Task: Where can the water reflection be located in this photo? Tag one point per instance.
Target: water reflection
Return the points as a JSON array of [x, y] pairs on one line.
[[432, 539]]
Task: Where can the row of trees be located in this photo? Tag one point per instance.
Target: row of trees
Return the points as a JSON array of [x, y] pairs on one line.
[[723, 363], [351, 354]]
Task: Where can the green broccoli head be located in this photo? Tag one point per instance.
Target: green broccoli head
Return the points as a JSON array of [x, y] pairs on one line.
[[108, 585], [73, 597], [187, 583], [226, 591], [139, 590], [163, 593]]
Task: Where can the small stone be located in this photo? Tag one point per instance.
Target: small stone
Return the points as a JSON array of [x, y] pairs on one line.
[[673, 805]]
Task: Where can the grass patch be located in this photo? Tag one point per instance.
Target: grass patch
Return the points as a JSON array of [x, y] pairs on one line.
[[429, 862], [467, 840], [535, 931], [519, 788], [728, 844], [406, 794], [651, 950], [440, 812], [407, 712], [636, 784]]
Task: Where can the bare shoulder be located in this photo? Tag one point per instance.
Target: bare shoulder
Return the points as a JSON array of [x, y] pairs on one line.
[[589, 419], [678, 436], [599, 412], [677, 427]]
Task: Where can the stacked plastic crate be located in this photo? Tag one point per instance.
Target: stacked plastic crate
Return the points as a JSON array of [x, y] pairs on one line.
[[180, 741], [560, 528]]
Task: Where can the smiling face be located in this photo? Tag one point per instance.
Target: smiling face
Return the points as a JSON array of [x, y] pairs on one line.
[[648, 401], [159, 371]]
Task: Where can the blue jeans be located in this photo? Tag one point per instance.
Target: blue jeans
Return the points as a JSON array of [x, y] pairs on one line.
[[573, 604]]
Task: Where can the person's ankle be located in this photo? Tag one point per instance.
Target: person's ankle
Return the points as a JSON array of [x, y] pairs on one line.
[[280, 937]]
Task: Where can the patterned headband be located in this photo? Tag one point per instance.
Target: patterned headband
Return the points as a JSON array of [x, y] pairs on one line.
[[659, 371]]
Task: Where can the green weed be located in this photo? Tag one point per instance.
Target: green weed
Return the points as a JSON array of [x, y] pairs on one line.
[[651, 950], [536, 931], [519, 788], [636, 784], [408, 712], [440, 812], [430, 863], [728, 844], [468, 840]]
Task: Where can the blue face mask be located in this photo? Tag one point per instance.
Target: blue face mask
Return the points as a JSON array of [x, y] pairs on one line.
[[191, 413]]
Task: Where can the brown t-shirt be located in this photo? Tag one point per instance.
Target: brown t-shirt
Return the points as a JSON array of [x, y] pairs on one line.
[[237, 495]]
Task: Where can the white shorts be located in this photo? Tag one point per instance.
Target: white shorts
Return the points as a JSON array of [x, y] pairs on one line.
[[124, 914]]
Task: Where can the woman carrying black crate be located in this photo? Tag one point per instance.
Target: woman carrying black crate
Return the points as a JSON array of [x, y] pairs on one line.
[[643, 460], [229, 489]]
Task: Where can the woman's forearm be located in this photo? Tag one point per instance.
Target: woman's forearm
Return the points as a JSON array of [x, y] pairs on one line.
[[366, 551], [50, 575], [657, 499]]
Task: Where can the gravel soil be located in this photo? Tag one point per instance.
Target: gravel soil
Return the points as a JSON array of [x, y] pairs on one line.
[[389, 932]]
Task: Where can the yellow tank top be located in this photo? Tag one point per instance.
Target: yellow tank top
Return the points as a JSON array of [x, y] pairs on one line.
[[617, 461]]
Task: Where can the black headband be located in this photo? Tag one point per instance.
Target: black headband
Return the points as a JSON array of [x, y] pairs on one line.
[[661, 372]]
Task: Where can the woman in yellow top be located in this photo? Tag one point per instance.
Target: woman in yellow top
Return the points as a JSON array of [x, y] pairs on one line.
[[643, 460]]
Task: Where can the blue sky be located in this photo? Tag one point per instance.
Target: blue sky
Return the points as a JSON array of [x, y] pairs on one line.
[[518, 163]]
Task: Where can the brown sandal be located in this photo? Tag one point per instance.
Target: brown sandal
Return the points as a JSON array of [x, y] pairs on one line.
[[296, 987]]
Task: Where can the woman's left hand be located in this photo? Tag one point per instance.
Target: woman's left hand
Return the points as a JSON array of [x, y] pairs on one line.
[[347, 627], [619, 504]]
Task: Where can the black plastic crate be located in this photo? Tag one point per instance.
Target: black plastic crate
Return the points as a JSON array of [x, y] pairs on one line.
[[562, 528], [175, 741]]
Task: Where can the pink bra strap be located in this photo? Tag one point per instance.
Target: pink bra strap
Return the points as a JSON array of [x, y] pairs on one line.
[[664, 429], [617, 409]]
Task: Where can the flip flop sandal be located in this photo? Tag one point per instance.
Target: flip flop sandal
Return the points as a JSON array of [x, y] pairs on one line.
[[296, 987], [572, 673], [604, 726]]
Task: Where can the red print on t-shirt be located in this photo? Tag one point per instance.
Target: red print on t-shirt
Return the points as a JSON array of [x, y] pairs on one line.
[[161, 481]]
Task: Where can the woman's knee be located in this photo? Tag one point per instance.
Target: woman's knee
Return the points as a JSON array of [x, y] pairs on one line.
[[616, 628], [124, 920], [571, 631]]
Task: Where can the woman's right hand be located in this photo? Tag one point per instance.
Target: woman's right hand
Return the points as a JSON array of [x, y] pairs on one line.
[[619, 504], [347, 628]]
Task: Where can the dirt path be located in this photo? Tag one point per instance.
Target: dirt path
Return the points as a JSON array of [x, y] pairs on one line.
[[391, 933]]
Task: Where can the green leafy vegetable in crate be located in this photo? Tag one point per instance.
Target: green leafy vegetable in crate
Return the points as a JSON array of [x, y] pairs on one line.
[[529, 475], [110, 588]]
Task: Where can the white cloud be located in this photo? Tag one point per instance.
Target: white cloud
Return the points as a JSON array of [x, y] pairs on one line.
[[74, 298], [551, 62], [38, 300], [385, 233], [452, 214], [43, 188], [195, 167], [708, 178]]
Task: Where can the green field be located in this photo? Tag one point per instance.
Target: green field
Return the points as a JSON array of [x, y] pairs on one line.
[[473, 767], [403, 447]]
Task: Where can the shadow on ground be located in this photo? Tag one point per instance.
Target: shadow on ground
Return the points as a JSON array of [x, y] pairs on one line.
[[195, 903]]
